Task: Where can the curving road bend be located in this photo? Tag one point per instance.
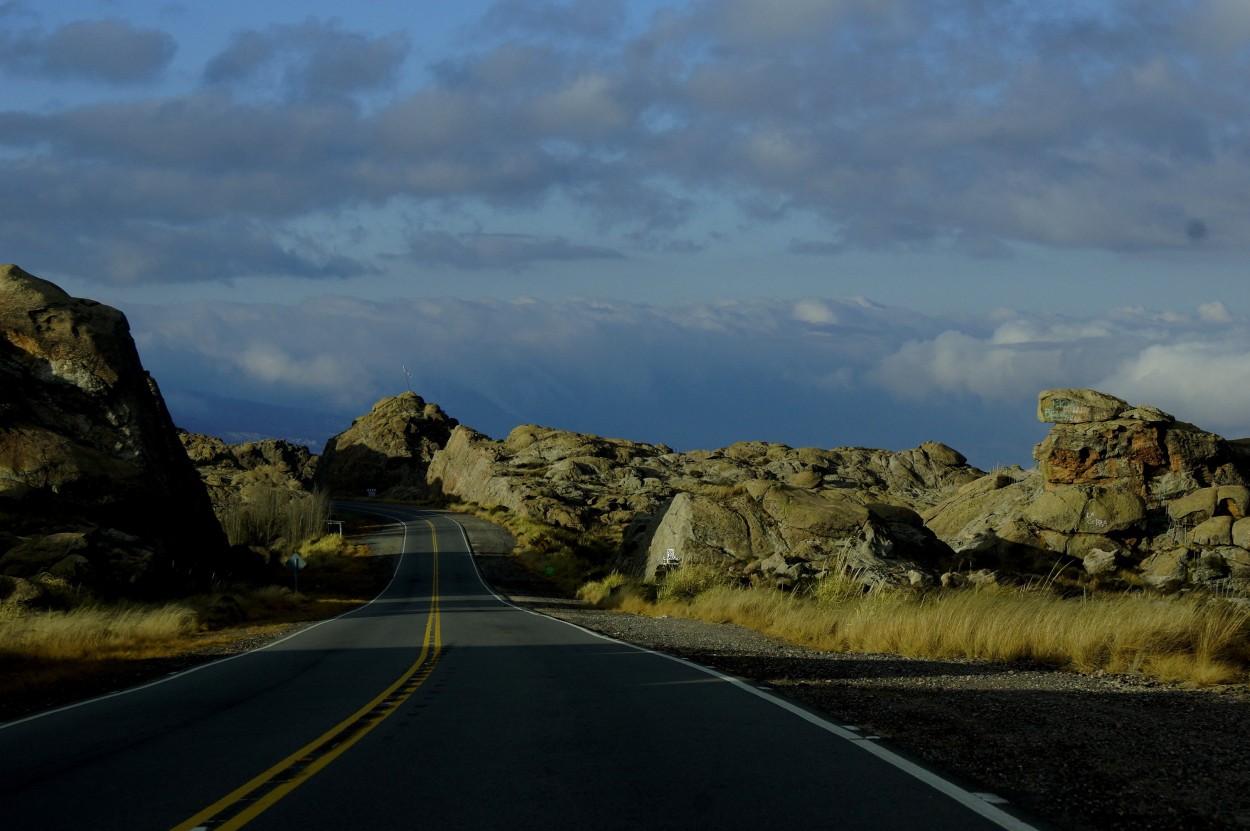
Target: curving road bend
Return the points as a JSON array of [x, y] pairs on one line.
[[439, 705]]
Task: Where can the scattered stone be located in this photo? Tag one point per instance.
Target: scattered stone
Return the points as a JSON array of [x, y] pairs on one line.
[[1099, 562]]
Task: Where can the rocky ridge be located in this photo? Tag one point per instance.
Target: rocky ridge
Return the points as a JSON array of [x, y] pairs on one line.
[[1121, 496], [94, 485], [765, 512]]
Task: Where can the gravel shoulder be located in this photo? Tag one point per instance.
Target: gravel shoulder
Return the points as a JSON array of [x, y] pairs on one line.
[[1077, 752]]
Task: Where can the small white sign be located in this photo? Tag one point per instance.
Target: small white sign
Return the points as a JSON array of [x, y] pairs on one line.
[[670, 557], [296, 562]]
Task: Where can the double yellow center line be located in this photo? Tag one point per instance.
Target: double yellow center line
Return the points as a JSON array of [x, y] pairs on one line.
[[245, 803]]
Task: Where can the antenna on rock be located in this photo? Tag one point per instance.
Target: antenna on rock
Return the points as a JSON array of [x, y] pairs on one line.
[[408, 376]]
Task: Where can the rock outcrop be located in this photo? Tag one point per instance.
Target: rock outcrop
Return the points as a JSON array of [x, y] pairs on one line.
[[386, 451], [1118, 490], [233, 471], [763, 511], [94, 483]]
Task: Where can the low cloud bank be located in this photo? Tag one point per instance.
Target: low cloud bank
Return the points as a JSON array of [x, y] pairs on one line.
[[813, 372]]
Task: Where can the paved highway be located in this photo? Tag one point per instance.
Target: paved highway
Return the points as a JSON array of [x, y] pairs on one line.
[[440, 706]]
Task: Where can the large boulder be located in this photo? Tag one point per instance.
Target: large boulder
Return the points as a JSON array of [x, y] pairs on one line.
[[87, 448], [783, 536], [386, 451]]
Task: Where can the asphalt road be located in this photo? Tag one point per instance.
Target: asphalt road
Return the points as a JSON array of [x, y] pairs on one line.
[[440, 706]]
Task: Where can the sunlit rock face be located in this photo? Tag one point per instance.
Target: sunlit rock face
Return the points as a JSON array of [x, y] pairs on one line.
[[1119, 492], [87, 449], [763, 512]]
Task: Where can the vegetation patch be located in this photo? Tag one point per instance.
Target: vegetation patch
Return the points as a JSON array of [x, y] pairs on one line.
[[277, 519], [1197, 640], [67, 640], [564, 557]]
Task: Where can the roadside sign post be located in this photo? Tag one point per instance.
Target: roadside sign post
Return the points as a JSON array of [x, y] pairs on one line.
[[668, 562], [295, 563]]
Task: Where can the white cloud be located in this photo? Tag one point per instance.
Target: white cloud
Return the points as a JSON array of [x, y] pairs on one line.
[[959, 364], [904, 125], [274, 365], [1215, 312], [815, 312], [1204, 382]]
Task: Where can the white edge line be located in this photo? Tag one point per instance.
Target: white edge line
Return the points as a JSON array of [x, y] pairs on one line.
[[964, 797], [198, 667]]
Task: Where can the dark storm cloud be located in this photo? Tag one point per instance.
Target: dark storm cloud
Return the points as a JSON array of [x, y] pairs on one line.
[[312, 60], [897, 125], [112, 51], [514, 252], [815, 248], [130, 252]]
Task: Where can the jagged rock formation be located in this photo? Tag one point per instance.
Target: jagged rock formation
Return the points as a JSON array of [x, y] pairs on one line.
[[761, 510], [567, 479], [94, 484], [385, 451], [1120, 492], [231, 472]]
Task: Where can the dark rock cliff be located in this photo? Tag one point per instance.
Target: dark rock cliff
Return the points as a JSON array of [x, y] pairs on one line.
[[94, 483]]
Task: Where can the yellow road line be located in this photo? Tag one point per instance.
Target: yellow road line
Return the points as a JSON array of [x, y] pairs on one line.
[[245, 803]]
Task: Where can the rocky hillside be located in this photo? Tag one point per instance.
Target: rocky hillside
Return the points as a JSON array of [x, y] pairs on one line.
[[386, 451], [94, 484]]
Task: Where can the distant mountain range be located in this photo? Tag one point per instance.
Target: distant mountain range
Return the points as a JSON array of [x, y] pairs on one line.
[[235, 420]]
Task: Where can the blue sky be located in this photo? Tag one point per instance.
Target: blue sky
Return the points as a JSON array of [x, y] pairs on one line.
[[820, 222]]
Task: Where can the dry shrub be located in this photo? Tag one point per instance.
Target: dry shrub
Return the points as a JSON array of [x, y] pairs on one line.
[[614, 591], [332, 551], [276, 518]]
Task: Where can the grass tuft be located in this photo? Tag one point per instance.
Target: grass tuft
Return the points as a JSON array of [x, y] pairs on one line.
[[689, 581]]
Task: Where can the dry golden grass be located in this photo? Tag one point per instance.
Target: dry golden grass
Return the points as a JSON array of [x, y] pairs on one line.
[[40, 648], [1199, 641], [123, 631]]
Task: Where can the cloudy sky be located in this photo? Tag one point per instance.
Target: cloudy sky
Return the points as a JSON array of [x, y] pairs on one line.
[[819, 222]]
